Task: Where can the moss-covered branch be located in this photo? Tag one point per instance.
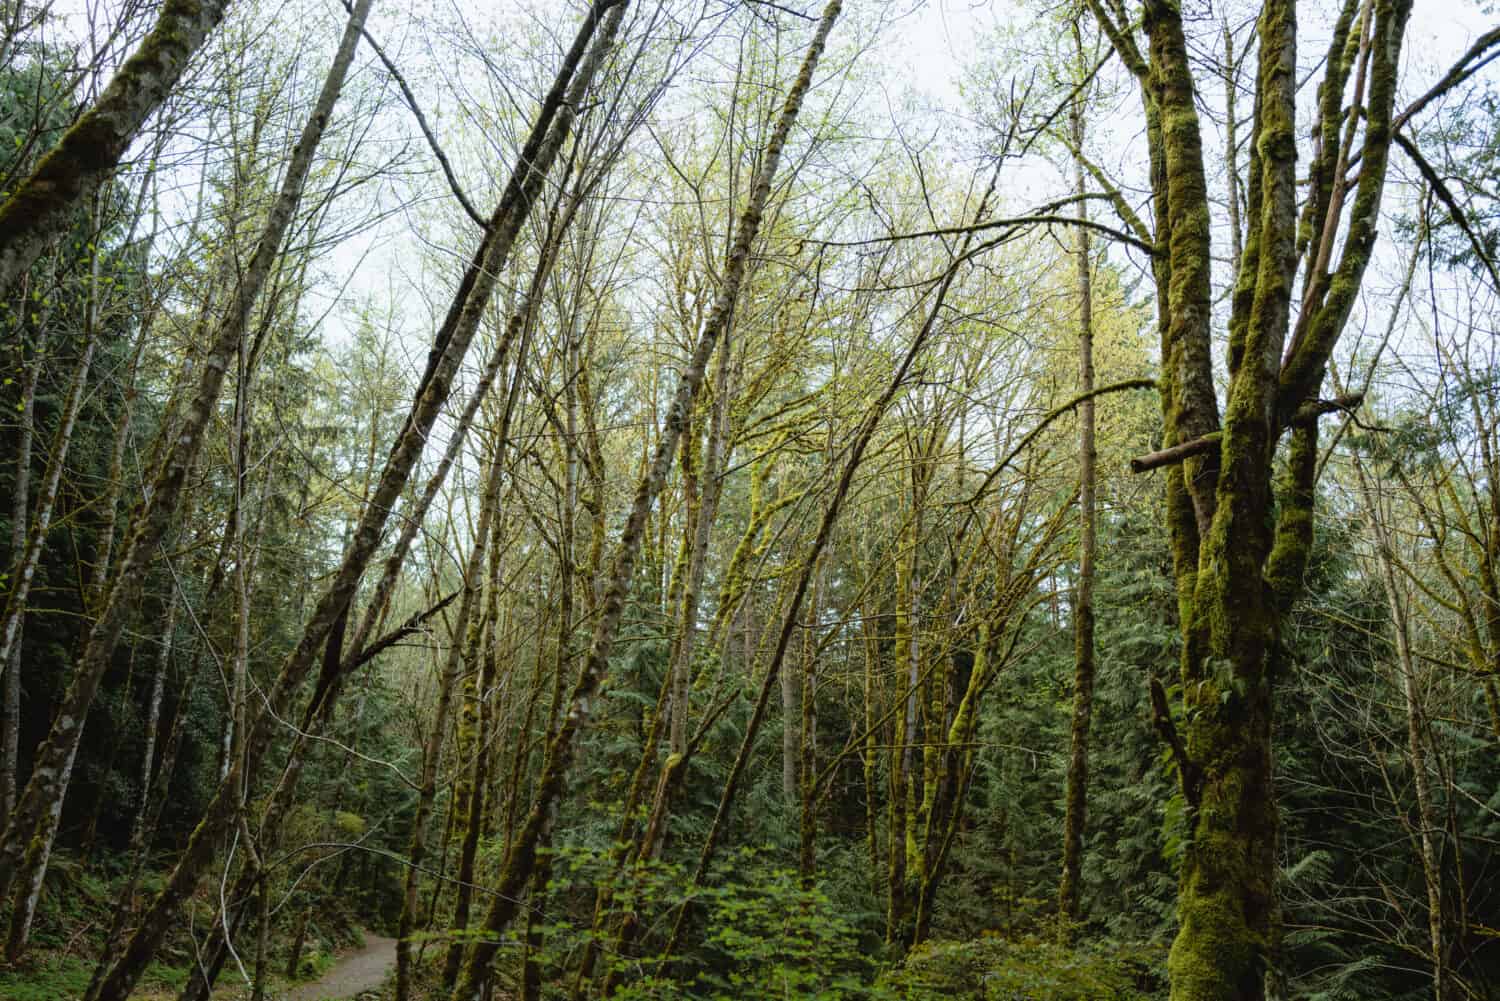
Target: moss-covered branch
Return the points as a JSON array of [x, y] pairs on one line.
[[39, 209]]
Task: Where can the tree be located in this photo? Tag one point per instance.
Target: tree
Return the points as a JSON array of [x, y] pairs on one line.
[[38, 208], [1075, 820], [1240, 542]]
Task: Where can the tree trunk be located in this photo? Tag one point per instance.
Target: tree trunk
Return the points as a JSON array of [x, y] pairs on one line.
[[553, 125], [807, 763], [463, 648], [1076, 796], [153, 719], [481, 661], [38, 849], [29, 557], [10, 669], [41, 804], [521, 857], [38, 209], [1240, 547], [1428, 824], [791, 738]]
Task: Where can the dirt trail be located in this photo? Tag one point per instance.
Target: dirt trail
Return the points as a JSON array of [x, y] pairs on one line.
[[364, 970]]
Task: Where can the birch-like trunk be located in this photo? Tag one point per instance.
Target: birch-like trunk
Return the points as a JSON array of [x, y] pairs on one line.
[[153, 719], [10, 669], [30, 555], [54, 764]]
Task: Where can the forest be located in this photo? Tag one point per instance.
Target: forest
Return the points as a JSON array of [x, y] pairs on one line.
[[693, 500]]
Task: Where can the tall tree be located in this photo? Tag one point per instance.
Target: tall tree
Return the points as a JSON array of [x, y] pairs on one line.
[[1240, 541], [1075, 820]]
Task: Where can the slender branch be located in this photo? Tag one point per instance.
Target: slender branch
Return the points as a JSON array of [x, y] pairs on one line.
[[1121, 39], [1445, 195], [1116, 198], [395, 636], [1461, 71], [1161, 719], [432, 143], [1042, 218], [1042, 425]]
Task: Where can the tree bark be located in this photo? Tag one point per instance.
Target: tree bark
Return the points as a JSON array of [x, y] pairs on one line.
[[29, 557], [39, 208], [1076, 795], [463, 647], [10, 669], [1427, 823], [554, 122], [153, 718], [1240, 547]]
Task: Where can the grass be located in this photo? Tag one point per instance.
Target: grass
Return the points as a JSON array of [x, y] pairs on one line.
[[53, 976]]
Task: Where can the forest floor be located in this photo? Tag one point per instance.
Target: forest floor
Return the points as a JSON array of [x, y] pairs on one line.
[[78, 905], [355, 973]]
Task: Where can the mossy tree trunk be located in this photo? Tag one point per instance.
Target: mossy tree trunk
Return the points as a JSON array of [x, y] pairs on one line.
[[520, 859], [472, 803], [37, 211], [554, 123], [1240, 542], [463, 648], [28, 837]]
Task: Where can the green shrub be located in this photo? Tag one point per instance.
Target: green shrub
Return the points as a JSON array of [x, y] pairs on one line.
[[995, 969]]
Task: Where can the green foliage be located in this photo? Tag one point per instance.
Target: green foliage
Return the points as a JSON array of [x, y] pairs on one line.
[[59, 976], [767, 939], [761, 933], [1027, 970], [777, 939], [55, 978]]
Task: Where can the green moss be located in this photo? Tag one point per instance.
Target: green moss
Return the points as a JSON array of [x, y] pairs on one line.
[[1294, 526], [161, 975], [1213, 946]]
